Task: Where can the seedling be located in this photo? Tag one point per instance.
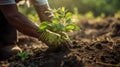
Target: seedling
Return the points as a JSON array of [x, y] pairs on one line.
[[60, 23], [23, 55]]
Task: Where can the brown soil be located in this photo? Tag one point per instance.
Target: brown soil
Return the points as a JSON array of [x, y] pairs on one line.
[[96, 45]]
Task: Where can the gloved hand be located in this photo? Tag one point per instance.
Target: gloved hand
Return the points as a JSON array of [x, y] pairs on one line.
[[49, 37], [66, 40], [55, 40]]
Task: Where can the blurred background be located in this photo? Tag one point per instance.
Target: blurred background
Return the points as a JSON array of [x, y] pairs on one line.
[[90, 9]]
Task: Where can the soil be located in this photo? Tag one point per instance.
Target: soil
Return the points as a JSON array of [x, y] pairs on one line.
[[96, 45]]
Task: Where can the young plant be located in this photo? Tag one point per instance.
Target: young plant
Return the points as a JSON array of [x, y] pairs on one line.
[[23, 55], [60, 23]]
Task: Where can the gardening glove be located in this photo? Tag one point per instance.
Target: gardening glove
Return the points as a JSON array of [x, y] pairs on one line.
[[63, 43], [55, 40], [66, 40], [49, 37]]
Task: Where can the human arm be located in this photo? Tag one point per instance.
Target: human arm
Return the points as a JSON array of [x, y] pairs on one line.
[[41, 6], [22, 24], [19, 21]]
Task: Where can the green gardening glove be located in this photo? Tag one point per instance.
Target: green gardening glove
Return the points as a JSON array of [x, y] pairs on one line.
[[55, 40], [66, 42], [49, 37]]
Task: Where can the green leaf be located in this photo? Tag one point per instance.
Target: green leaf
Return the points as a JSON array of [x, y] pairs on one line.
[[77, 28], [43, 26], [71, 27], [23, 55], [58, 16], [26, 53], [58, 27], [54, 21], [68, 15], [63, 9], [20, 54], [68, 21]]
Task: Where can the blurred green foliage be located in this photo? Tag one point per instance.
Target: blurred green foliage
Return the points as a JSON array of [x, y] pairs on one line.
[[109, 7], [29, 12], [88, 8]]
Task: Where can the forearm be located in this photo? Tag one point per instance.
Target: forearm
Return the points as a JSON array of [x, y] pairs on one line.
[[19, 21], [41, 6], [41, 12], [22, 24]]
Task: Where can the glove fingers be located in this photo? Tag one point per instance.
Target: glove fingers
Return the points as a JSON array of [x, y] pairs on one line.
[[65, 45], [43, 36], [68, 43]]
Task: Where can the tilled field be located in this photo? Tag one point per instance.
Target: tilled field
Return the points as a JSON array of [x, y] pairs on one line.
[[96, 45]]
